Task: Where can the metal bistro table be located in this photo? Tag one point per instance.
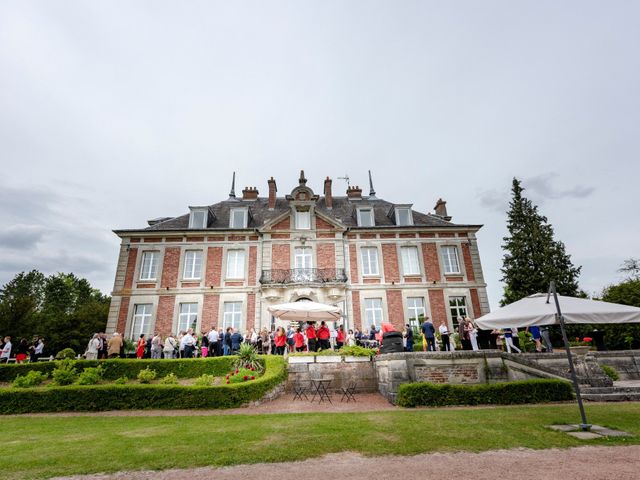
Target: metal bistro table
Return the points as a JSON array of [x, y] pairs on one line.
[[319, 388]]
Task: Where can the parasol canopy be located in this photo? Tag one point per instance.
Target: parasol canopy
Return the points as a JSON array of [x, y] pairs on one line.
[[305, 311], [540, 309]]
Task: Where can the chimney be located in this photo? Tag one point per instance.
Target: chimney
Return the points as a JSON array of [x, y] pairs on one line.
[[354, 193], [441, 209], [272, 193], [328, 198], [250, 193]]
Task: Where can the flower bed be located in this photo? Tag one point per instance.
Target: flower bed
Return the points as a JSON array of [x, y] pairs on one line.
[[505, 393], [145, 396]]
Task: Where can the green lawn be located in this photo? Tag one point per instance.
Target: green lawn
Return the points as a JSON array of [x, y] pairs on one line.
[[40, 447]]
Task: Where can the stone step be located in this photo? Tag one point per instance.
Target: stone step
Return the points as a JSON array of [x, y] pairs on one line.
[[599, 390], [611, 397]]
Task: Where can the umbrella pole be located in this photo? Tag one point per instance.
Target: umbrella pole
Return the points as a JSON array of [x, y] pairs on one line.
[[584, 425]]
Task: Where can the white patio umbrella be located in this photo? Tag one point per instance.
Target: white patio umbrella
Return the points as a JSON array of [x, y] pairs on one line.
[[552, 309], [539, 309], [305, 311]]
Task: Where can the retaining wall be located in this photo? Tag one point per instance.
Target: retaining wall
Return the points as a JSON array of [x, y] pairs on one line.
[[341, 370]]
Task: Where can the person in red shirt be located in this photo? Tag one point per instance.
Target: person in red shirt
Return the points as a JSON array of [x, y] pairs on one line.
[[298, 340], [340, 337], [280, 341], [311, 337], [323, 337]]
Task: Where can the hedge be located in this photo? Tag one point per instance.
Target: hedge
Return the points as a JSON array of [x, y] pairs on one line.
[[506, 393], [136, 396], [116, 368]]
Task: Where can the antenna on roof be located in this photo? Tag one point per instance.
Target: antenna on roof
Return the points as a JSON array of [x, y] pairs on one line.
[[372, 192], [232, 193], [346, 177]]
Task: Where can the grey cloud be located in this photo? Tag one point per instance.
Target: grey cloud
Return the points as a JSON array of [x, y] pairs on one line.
[[542, 186], [22, 237], [494, 200]]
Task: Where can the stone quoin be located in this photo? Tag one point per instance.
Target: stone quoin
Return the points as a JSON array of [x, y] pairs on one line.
[[224, 264]]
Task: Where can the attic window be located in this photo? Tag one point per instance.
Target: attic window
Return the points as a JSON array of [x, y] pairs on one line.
[[303, 220], [198, 218], [238, 218], [365, 217], [403, 216]]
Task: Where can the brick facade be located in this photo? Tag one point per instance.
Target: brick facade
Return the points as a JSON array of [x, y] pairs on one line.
[[268, 240]]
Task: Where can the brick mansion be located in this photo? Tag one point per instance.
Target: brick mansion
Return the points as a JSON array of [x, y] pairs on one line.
[[224, 264]]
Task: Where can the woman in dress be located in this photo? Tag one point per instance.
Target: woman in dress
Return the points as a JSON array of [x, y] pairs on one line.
[[141, 346], [473, 334]]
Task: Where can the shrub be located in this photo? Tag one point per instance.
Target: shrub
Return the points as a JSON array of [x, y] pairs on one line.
[[248, 358], [31, 379], [64, 373], [121, 381], [130, 396], [170, 379], [146, 375], [204, 380], [611, 372], [116, 368], [66, 353], [356, 351], [506, 393], [90, 376]]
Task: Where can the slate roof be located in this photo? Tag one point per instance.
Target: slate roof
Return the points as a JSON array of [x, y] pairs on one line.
[[343, 209]]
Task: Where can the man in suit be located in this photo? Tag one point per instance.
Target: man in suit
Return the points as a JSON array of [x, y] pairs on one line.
[[236, 340], [429, 332]]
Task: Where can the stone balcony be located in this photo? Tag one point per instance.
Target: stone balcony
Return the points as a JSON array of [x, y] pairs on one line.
[[303, 276]]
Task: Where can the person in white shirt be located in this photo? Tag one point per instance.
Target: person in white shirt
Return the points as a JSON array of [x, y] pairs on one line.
[[444, 335], [187, 344], [169, 349], [214, 338], [6, 350], [37, 349], [92, 348]]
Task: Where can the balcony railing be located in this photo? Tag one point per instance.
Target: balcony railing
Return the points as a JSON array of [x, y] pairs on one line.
[[304, 275]]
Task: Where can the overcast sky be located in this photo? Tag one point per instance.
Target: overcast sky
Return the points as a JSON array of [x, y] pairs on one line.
[[115, 112]]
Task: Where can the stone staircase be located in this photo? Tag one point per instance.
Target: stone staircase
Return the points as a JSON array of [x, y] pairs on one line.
[[619, 392]]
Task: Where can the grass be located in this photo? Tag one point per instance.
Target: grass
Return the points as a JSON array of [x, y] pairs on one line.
[[41, 447]]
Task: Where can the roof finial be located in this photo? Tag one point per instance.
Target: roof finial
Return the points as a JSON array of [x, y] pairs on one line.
[[302, 180], [232, 193], [372, 192]]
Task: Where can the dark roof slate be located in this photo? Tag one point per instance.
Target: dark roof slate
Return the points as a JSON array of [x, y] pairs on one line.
[[343, 210]]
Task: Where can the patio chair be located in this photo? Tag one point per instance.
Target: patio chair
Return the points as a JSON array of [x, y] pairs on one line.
[[349, 391]]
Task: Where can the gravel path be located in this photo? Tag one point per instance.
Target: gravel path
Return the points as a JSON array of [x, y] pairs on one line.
[[584, 463]]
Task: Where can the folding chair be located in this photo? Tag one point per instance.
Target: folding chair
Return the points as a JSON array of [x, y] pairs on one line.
[[299, 391], [348, 392]]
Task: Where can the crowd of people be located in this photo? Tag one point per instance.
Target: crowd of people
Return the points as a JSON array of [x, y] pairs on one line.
[[310, 336], [22, 351]]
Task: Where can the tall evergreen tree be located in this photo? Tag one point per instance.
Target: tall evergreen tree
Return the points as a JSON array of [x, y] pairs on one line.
[[532, 257]]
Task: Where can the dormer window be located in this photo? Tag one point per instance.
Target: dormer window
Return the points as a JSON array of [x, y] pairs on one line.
[[365, 217], [238, 218], [404, 216], [198, 217], [303, 220]]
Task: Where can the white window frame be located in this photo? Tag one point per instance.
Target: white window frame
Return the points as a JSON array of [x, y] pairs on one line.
[[245, 217], [363, 213], [300, 224], [232, 312], [373, 310], [369, 261], [187, 315], [458, 308], [236, 260], [142, 313], [198, 223], [407, 267], [449, 254], [149, 273], [192, 268], [409, 213], [303, 257], [414, 310]]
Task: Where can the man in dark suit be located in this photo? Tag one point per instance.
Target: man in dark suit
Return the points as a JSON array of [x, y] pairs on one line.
[[429, 332], [236, 340]]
